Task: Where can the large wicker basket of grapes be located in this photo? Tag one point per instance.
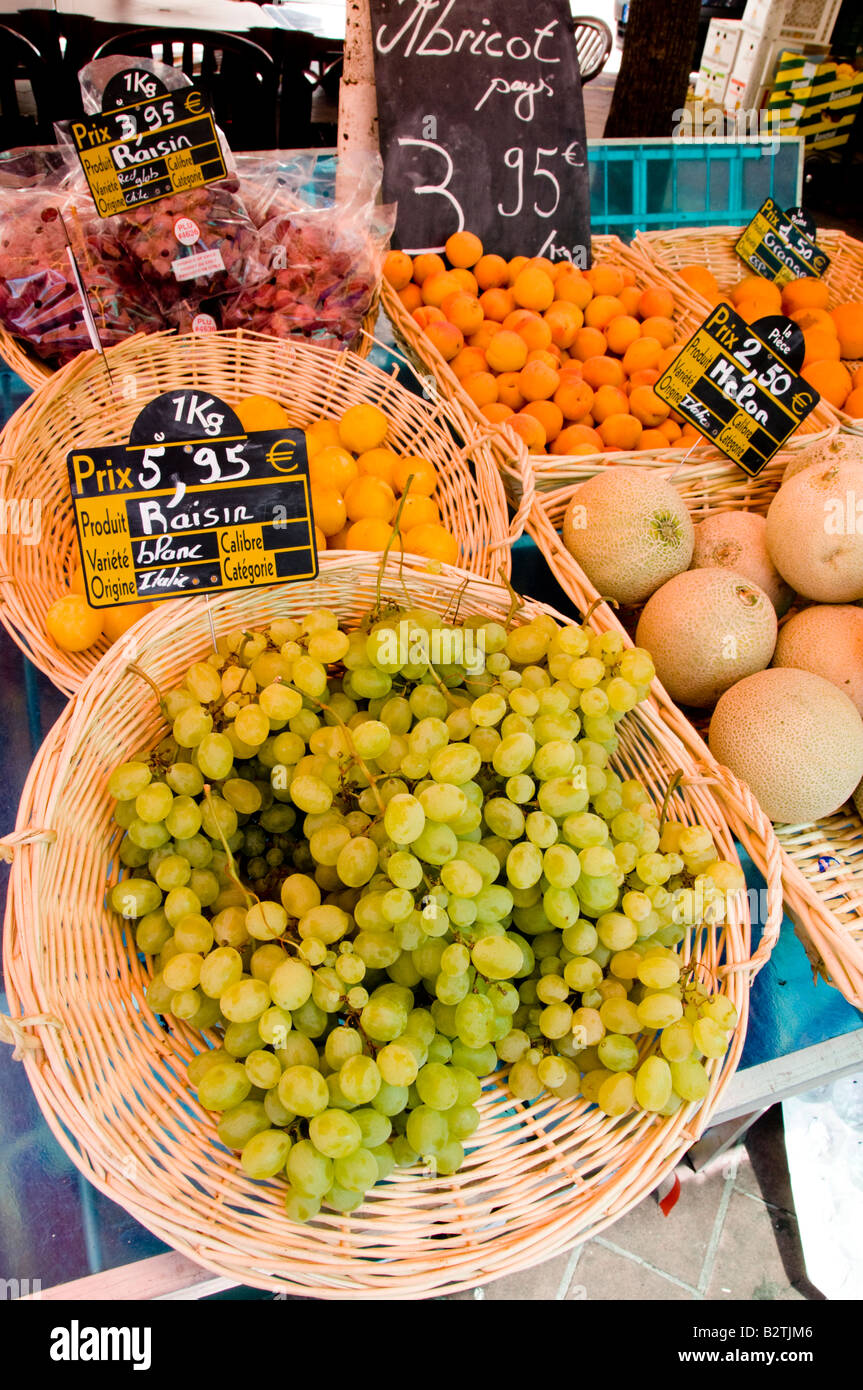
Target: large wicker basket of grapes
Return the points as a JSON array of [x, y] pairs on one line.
[[373, 936]]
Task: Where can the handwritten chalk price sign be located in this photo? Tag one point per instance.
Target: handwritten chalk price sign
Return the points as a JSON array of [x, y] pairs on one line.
[[780, 246], [155, 144], [191, 505], [482, 124], [738, 384]]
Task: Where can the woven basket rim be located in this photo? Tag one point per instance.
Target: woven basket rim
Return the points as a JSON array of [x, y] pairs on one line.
[[486, 1219], [82, 403]]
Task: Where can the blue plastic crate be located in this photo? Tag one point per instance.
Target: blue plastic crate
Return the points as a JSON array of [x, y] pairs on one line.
[[654, 185]]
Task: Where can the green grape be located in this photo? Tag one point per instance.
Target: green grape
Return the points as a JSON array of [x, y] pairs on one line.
[[455, 959], [524, 865], [303, 1090], [135, 897], [128, 780], [437, 1087], [263, 1069], [265, 961], [239, 1124], [524, 1081], [709, 1037], [335, 1133], [309, 1171], [274, 1025], [555, 1020], [299, 1206], [360, 1079], [183, 971], [356, 1172], [220, 969], [653, 1084], [242, 1038], [152, 932], [223, 1086], [265, 1153], [390, 1100], [720, 1009], [427, 1130], [245, 1000], [617, 1052], [215, 756], [183, 819], [616, 1094], [690, 1079]]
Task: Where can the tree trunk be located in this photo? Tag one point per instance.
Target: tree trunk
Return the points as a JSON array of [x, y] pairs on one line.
[[654, 72], [358, 102]]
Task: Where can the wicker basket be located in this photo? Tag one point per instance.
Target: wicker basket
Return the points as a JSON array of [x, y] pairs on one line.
[[82, 404], [822, 864], [32, 370], [547, 470], [713, 247], [111, 1082]]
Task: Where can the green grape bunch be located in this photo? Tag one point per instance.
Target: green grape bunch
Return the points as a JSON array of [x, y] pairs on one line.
[[372, 881]]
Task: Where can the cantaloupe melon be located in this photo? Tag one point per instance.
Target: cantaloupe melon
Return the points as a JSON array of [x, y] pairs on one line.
[[737, 541], [706, 629], [858, 800], [629, 531], [815, 532], [794, 739], [839, 449], [827, 639]]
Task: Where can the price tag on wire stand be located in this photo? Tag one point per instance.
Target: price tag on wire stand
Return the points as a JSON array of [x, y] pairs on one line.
[[147, 148], [738, 384], [192, 505], [780, 246]]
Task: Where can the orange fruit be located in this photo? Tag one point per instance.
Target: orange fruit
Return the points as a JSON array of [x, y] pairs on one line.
[[622, 332], [763, 291], [507, 352], [662, 329], [426, 314], [363, 427], [117, 620], [379, 463], [464, 311], [700, 279], [604, 279], [652, 439], [436, 288], [603, 371], [549, 415], [531, 431], [531, 326], [446, 338], [642, 355], [323, 434], [857, 379], [806, 293], [646, 377], [367, 496], [821, 346], [509, 391], [814, 318], [497, 412], [332, 467], [671, 430], [76, 581], [854, 404], [656, 303], [629, 297], [262, 413], [370, 533], [564, 321], [470, 359], [483, 335], [481, 387], [418, 511], [533, 288], [575, 398], [73, 624], [422, 475], [621, 431], [515, 267], [463, 249], [491, 272], [646, 406], [601, 310], [848, 319], [411, 297], [321, 539], [589, 342], [497, 303], [609, 400], [429, 263], [538, 382], [572, 288], [542, 263], [667, 356], [832, 380], [466, 280], [328, 510], [398, 269], [578, 439], [435, 542]]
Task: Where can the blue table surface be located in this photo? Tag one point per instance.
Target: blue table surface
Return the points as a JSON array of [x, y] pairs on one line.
[[54, 1226]]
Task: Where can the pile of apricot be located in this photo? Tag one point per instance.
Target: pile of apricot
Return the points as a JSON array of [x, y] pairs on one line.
[[567, 358]]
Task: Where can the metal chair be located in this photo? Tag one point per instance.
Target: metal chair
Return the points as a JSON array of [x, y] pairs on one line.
[[237, 76], [25, 116], [593, 43]]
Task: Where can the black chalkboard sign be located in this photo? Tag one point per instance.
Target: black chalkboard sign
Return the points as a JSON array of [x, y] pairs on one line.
[[482, 125], [191, 504], [780, 246], [737, 383]]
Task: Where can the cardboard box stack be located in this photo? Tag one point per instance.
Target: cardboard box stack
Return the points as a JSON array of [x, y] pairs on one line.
[[818, 99]]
